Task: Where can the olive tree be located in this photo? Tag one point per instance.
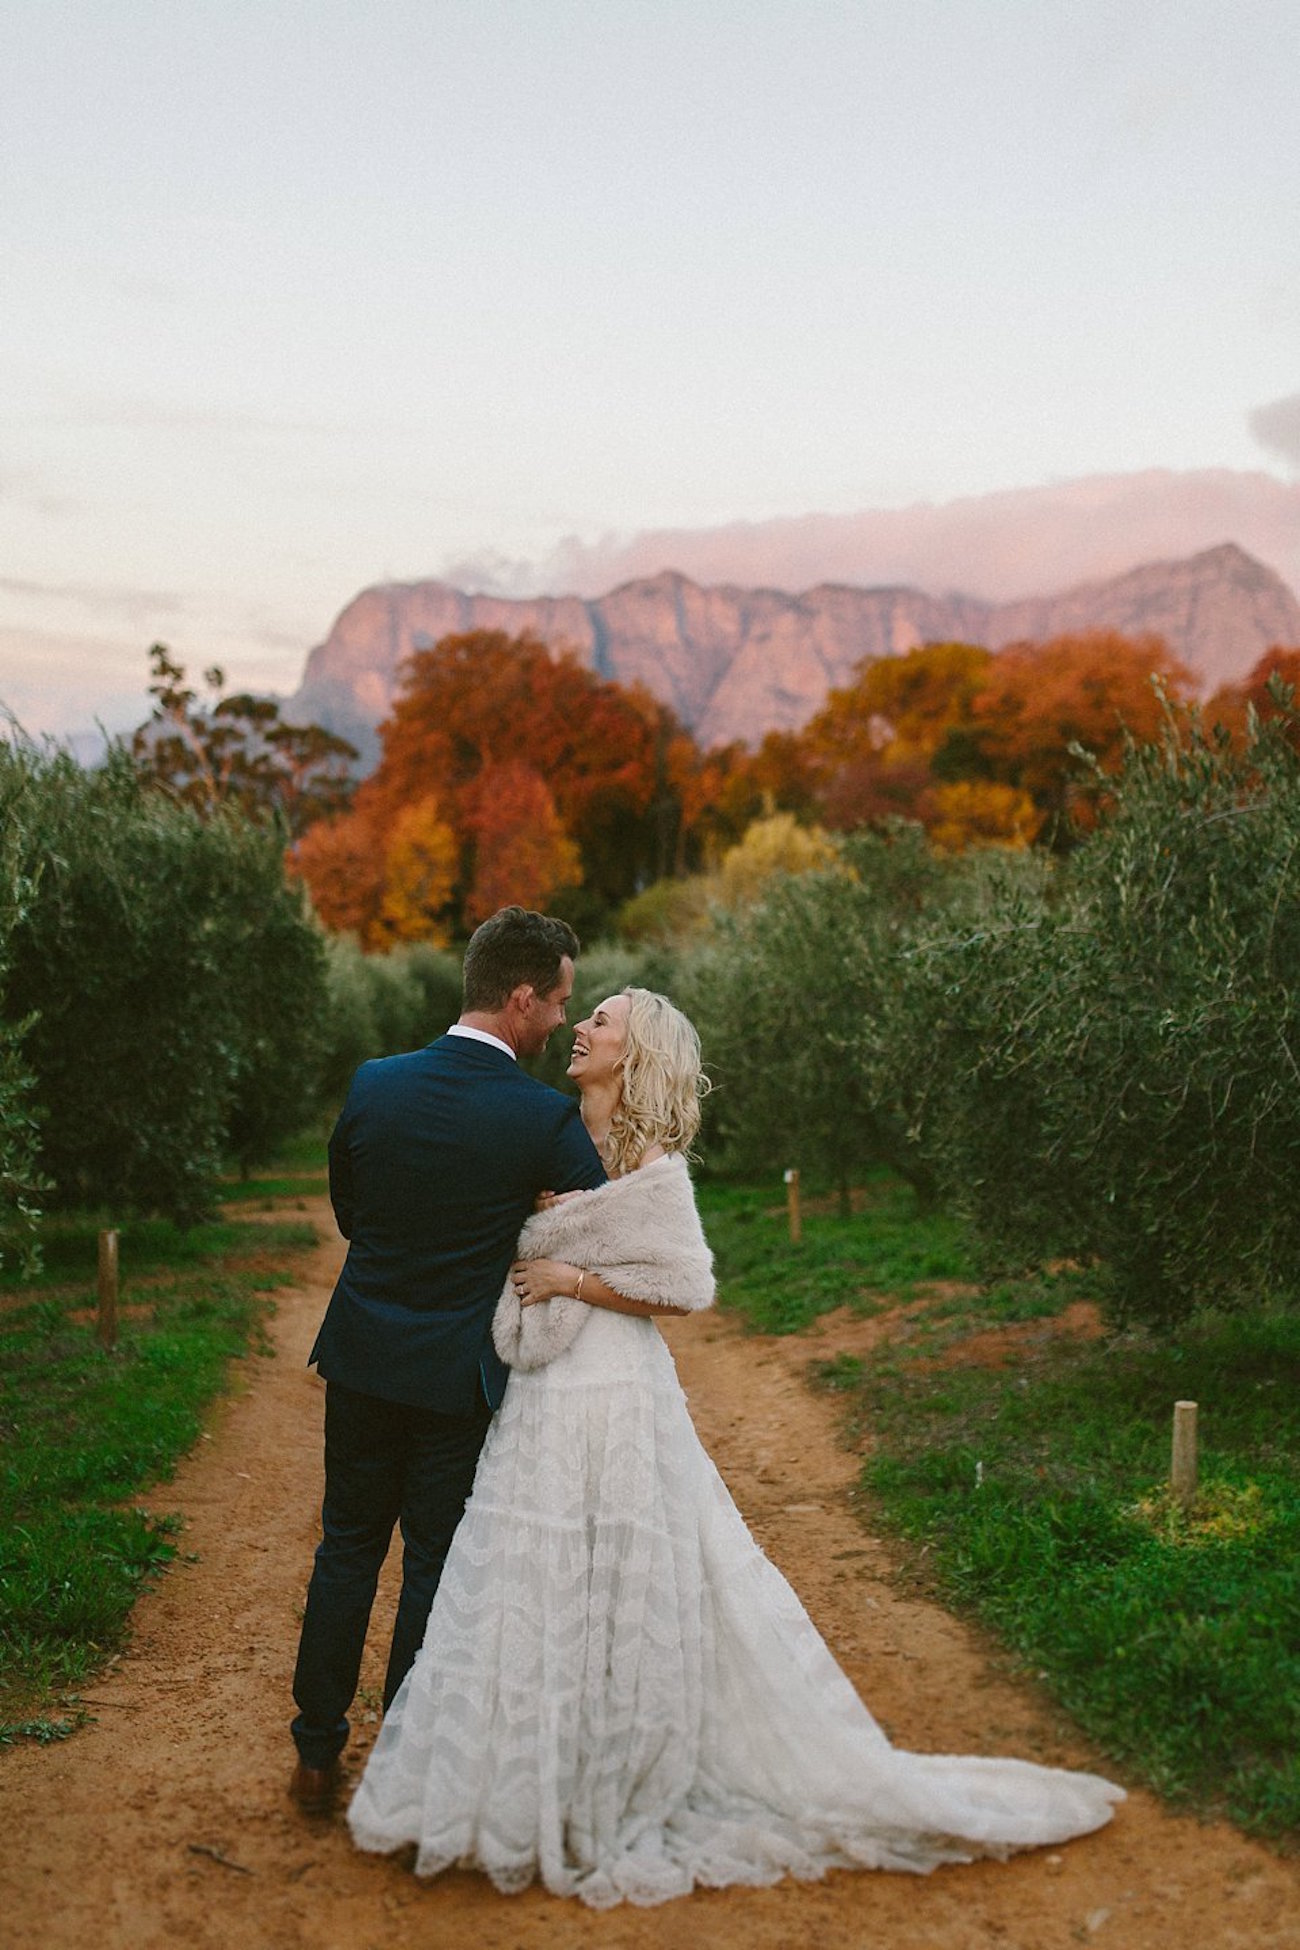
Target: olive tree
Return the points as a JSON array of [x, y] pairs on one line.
[[171, 980], [20, 1178], [802, 999], [1116, 1071]]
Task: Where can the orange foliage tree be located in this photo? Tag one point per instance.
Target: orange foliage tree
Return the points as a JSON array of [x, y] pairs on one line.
[[1091, 689], [877, 745], [778, 777], [976, 744], [909, 705], [488, 699], [342, 861]]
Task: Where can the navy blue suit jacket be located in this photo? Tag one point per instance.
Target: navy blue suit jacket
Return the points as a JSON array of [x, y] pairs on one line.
[[435, 1163]]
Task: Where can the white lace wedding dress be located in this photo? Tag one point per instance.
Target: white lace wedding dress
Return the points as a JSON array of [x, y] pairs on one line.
[[619, 1694]]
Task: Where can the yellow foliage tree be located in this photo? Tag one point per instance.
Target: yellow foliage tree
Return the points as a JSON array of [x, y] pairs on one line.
[[907, 705], [420, 867], [977, 812], [776, 844]]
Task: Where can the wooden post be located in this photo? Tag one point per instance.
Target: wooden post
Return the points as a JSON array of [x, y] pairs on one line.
[[1182, 1473], [108, 1289], [792, 1205]]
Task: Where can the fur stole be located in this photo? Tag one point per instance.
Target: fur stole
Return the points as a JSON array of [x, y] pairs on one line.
[[641, 1234]]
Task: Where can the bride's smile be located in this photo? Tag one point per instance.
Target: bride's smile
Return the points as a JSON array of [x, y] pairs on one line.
[[598, 1043]]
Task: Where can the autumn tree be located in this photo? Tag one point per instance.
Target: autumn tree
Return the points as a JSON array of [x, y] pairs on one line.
[[420, 866], [527, 754], [344, 863], [522, 853], [877, 744], [776, 777], [873, 791], [1264, 691], [235, 750], [908, 705], [1094, 690], [488, 699], [775, 845], [979, 812]]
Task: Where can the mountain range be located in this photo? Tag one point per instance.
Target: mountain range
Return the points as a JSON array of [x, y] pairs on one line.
[[735, 662]]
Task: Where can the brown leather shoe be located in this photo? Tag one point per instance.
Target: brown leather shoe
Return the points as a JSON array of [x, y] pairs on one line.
[[316, 1789]]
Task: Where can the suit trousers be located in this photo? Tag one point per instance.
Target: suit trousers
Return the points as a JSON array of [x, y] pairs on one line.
[[385, 1463]]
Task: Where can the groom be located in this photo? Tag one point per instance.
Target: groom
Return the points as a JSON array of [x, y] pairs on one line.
[[435, 1163]]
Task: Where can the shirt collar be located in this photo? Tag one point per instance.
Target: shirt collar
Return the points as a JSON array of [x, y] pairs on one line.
[[481, 1036]]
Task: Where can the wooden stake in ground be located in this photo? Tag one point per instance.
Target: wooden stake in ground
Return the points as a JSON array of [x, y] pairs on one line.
[[792, 1205], [108, 1289], [1182, 1473]]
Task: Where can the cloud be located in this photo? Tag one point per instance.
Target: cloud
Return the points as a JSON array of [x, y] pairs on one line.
[[1022, 542], [1277, 427], [489, 573]]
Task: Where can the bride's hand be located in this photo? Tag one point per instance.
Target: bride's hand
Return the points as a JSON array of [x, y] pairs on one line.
[[543, 1279]]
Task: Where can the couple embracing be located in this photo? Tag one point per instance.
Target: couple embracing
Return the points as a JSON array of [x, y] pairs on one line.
[[596, 1678]]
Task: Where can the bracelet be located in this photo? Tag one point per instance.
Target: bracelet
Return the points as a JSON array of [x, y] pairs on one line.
[[577, 1291]]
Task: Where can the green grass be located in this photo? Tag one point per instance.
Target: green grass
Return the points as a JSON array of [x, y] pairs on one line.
[[883, 1252], [86, 1435], [299, 1170], [1031, 1495], [268, 1192], [70, 1248], [306, 1153]]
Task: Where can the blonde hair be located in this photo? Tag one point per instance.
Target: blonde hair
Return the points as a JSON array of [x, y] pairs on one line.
[[662, 1083]]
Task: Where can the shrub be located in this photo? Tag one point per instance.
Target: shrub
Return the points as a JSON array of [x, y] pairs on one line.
[[800, 1003], [377, 1005], [1115, 1073], [20, 1181], [173, 984]]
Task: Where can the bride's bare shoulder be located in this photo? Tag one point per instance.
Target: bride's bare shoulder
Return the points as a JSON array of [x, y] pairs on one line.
[[653, 1154]]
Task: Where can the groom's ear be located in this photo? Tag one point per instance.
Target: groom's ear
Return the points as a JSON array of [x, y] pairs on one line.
[[522, 998]]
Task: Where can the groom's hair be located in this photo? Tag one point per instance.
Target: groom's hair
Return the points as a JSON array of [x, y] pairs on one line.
[[514, 948]]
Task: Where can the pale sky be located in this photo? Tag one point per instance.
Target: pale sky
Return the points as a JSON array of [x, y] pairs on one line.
[[301, 296]]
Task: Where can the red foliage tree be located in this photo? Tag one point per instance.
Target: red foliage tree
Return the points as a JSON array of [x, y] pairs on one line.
[[1230, 705], [521, 850], [487, 699]]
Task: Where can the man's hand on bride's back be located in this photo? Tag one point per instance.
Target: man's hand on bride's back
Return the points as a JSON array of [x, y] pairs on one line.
[[545, 1200]]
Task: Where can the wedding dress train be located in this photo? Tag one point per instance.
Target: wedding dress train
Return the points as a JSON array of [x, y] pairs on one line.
[[619, 1694]]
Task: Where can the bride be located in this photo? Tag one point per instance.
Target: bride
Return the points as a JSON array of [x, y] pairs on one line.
[[617, 1692]]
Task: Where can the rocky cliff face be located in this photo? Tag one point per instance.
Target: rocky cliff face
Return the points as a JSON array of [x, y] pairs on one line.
[[735, 663]]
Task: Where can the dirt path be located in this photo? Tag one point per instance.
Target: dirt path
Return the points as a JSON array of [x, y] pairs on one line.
[[166, 1822]]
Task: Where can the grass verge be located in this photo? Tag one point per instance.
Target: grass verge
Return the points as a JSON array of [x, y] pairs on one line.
[[1025, 1469], [84, 1432]]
